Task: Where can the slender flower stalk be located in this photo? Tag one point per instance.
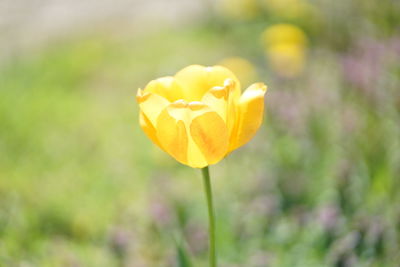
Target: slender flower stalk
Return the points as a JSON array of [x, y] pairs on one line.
[[211, 217]]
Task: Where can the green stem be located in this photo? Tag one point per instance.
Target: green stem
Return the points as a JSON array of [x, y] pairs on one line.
[[211, 217]]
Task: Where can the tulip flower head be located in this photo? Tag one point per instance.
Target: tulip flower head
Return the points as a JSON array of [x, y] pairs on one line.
[[200, 115]]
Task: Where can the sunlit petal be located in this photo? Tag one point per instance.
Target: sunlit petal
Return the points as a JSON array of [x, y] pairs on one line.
[[151, 105], [196, 80], [250, 115], [222, 100], [166, 87], [173, 136], [210, 134], [148, 128], [192, 133]]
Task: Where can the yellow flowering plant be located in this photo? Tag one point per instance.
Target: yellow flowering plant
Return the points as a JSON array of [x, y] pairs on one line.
[[286, 48], [198, 117]]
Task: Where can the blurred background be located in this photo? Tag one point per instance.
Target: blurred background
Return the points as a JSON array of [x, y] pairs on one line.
[[81, 185]]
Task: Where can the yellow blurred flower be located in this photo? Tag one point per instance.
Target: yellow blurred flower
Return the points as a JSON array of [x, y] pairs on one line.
[[244, 69], [199, 115], [284, 33], [285, 47]]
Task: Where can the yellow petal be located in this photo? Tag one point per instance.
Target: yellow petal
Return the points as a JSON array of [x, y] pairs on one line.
[[250, 115], [221, 99], [149, 129], [192, 133], [173, 136], [217, 99], [166, 87], [196, 80], [151, 105], [210, 134]]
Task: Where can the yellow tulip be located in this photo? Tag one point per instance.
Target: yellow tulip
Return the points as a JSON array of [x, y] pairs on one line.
[[199, 115], [284, 33], [286, 49]]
